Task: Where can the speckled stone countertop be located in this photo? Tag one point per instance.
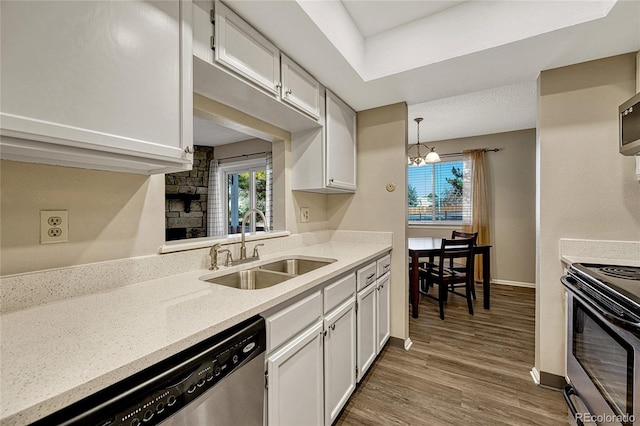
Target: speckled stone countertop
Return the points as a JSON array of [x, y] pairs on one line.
[[57, 353]]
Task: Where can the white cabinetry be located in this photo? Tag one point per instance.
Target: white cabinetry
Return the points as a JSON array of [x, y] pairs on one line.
[[238, 67], [339, 346], [311, 356], [104, 85], [373, 312], [367, 334], [324, 160], [341, 144], [244, 50], [382, 310], [299, 88], [321, 345], [294, 366], [295, 381]]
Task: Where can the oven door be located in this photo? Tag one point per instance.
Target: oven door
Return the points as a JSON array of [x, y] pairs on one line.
[[602, 365]]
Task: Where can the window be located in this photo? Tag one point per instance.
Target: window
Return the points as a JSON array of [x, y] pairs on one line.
[[439, 193], [245, 188]]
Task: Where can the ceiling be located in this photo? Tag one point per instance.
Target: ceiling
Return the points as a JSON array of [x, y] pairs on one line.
[[467, 67]]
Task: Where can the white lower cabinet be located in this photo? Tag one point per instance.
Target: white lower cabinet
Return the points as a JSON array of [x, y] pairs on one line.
[[295, 381], [322, 343], [339, 358], [383, 310], [366, 331]]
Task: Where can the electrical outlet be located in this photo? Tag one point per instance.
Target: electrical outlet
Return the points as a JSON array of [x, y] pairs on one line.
[[54, 226], [304, 214]]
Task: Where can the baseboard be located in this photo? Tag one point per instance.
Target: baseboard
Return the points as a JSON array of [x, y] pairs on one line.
[[514, 283], [548, 380]]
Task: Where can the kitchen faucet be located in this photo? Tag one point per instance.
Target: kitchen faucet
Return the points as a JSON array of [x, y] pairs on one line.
[[243, 247]]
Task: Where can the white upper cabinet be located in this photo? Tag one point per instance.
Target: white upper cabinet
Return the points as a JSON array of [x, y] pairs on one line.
[[299, 88], [104, 85], [324, 160], [235, 65], [243, 49], [341, 144]]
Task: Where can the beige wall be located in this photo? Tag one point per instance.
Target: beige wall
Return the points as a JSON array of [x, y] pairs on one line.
[[586, 189], [382, 141], [111, 215], [512, 183], [120, 215]]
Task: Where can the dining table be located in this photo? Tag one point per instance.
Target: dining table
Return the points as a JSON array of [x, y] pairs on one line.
[[429, 247]]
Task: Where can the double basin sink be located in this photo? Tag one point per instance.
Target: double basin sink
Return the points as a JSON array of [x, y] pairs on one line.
[[270, 274]]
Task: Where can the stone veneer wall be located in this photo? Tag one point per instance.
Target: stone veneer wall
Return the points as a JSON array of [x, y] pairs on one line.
[[179, 223]]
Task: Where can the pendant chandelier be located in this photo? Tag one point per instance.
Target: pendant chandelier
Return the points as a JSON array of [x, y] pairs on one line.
[[430, 155]]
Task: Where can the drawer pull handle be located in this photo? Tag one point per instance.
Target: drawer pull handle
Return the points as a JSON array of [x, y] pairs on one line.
[[371, 276]]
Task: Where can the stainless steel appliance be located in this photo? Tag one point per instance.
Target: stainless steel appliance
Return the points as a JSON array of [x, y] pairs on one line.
[[218, 382], [629, 119], [603, 343]]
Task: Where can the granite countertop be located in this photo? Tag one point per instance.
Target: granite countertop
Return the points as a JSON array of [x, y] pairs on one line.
[[58, 353]]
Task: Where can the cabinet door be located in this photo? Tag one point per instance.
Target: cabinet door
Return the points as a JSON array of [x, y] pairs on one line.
[[339, 358], [383, 310], [295, 381], [367, 346], [299, 88], [84, 82], [340, 144], [244, 50]]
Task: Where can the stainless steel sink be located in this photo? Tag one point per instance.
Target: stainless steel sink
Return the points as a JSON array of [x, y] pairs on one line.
[[252, 279], [296, 266], [268, 275]]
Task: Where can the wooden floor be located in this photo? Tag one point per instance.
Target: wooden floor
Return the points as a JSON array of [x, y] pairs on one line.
[[465, 370]]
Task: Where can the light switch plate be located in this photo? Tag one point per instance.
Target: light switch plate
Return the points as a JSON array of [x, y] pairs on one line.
[[54, 226]]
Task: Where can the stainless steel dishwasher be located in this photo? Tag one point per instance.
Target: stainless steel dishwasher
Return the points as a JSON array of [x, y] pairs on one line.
[[219, 381]]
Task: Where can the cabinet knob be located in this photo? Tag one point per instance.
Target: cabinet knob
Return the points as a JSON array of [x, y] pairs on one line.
[[189, 149], [278, 85], [288, 92], [333, 326]]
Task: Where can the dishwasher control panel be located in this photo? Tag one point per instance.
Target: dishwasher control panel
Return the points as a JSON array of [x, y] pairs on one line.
[[154, 394]]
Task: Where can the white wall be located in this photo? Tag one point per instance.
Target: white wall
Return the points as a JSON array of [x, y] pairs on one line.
[[512, 197], [586, 189], [382, 142]]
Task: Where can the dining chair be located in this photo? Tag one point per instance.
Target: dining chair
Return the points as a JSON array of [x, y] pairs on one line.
[[458, 266], [447, 279]]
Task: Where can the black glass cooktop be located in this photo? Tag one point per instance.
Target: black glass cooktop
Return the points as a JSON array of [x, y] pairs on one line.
[[622, 281]]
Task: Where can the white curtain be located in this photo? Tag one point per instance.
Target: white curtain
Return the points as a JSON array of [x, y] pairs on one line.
[[269, 190], [215, 209]]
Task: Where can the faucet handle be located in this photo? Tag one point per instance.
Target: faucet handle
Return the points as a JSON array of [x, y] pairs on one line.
[[255, 250], [229, 260], [213, 254]]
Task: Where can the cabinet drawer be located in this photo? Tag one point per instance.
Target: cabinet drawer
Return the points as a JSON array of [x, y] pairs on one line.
[[291, 320], [339, 291], [366, 275], [384, 265]]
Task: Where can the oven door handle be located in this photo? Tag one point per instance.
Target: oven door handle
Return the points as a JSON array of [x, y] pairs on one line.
[[613, 318], [568, 392]]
